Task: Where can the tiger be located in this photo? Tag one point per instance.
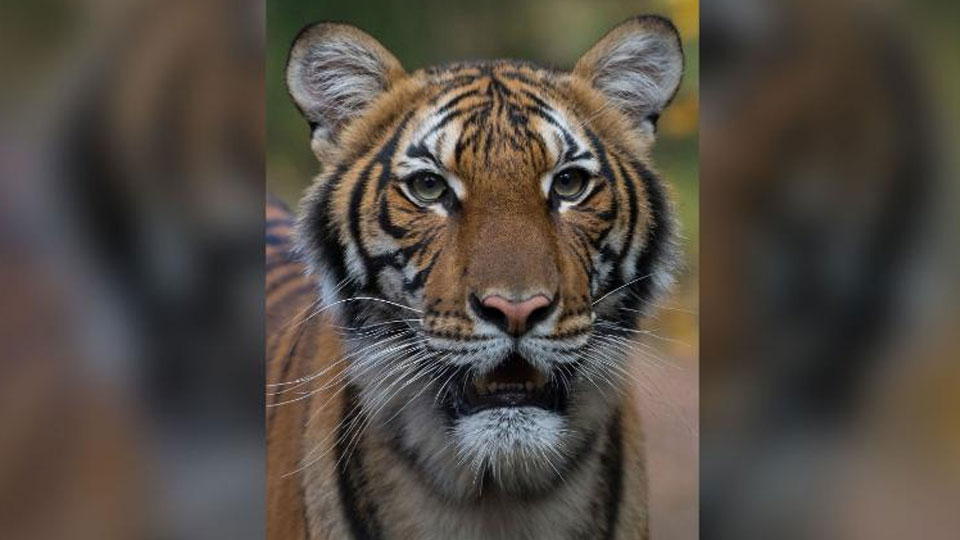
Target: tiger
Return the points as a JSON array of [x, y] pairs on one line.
[[446, 310]]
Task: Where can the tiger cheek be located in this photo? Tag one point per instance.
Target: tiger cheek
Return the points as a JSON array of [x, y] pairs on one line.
[[576, 298], [442, 296]]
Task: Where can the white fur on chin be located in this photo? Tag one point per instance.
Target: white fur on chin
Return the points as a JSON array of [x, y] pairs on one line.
[[517, 445]]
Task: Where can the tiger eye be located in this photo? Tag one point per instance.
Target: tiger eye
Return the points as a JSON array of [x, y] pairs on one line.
[[427, 187], [569, 184]]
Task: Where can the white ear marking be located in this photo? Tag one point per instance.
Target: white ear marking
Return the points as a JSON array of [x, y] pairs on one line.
[[334, 72], [637, 66]]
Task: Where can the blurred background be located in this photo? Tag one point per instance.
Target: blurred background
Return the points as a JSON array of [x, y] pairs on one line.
[[553, 33], [131, 269], [830, 373]]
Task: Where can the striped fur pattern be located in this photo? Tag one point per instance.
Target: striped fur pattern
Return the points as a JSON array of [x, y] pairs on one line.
[[377, 330]]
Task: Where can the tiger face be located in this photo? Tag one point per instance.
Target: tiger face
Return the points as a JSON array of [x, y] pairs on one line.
[[486, 234]]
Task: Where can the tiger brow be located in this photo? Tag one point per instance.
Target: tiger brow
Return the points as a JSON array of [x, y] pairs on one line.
[[573, 151], [570, 156], [419, 150]]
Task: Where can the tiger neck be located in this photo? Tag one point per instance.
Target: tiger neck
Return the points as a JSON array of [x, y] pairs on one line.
[[586, 505]]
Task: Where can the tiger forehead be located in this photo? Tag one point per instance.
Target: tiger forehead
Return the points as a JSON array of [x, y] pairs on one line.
[[515, 69], [484, 88], [492, 115]]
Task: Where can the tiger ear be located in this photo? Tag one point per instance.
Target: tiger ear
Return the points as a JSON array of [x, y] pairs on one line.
[[637, 65], [334, 72]]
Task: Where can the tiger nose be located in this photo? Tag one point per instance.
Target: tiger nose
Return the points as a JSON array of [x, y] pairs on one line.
[[511, 316]]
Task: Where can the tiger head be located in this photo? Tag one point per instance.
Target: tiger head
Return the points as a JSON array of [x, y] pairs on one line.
[[486, 234]]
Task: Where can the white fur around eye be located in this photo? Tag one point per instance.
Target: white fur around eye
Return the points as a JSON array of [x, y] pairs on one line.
[[457, 186]]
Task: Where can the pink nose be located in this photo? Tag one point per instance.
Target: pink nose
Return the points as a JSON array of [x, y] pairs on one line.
[[516, 314]]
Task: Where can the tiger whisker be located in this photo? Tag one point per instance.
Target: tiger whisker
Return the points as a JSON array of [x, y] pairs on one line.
[[621, 328], [628, 346], [313, 304], [325, 307], [627, 284], [372, 415], [343, 375], [350, 416], [383, 323], [308, 378]]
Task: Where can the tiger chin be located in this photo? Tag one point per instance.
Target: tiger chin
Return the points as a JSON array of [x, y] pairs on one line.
[[448, 314]]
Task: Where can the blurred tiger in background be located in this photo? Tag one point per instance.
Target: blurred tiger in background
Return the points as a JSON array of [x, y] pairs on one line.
[[449, 314], [131, 179], [824, 261]]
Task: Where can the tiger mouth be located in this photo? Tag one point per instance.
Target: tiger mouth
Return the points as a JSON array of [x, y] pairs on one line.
[[513, 383]]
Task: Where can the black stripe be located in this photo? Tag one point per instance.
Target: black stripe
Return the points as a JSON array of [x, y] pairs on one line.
[[322, 235], [363, 521], [277, 222], [442, 123], [586, 154], [421, 277], [573, 152], [419, 150], [383, 218], [383, 158], [306, 288], [583, 254], [541, 104], [605, 169], [657, 236], [407, 252], [455, 82], [537, 111], [607, 254], [634, 212], [596, 190], [612, 463], [606, 172], [276, 283], [274, 240], [457, 99], [278, 258], [518, 76]]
